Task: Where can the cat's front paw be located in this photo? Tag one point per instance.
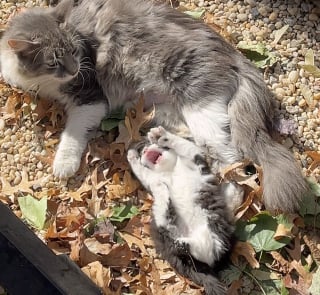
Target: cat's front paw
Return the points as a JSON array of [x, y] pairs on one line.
[[66, 163]]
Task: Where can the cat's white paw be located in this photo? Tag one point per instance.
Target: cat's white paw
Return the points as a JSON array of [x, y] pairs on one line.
[[66, 163], [132, 156]]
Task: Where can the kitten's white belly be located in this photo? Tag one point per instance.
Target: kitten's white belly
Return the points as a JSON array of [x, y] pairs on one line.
[[192, 220]]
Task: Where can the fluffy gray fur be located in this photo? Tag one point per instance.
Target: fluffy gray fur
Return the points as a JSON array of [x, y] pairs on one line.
[[199, 80], [191, 225]]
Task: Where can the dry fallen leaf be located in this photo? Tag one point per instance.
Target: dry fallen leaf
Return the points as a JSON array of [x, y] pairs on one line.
[[282, 231], [315, 156], [100, 275], [137, 118], [315, 251], [246, 250]]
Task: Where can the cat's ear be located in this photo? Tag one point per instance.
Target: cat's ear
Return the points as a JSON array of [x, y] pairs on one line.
[[62, 11], [21, 45]]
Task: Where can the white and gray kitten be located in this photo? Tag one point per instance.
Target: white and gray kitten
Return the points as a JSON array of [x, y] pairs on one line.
[[192, 225], [190, 72]]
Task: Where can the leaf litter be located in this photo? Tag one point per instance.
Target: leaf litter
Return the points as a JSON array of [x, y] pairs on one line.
[[103, 220]]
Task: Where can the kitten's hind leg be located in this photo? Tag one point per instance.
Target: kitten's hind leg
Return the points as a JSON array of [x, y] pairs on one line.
[[181, 146], [74, 138]]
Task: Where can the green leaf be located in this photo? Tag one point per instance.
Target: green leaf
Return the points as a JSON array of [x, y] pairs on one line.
[[273, 287], [310, 203], [195, 14], [314, 186], [259, 232], [108, 124], [258, 54], [263, 275], [33, 210], [111, 121], [230, 274], [124, 212]]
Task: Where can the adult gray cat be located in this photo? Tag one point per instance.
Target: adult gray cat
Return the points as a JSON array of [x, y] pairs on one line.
[[191, 226], [200, 80]]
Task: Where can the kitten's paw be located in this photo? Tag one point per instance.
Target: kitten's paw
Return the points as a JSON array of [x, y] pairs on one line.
[[132, 156], [66, 163], [155, 133], [160, 136]]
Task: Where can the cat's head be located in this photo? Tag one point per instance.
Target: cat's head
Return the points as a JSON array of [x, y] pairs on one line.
[[157, 158], [43, 44]]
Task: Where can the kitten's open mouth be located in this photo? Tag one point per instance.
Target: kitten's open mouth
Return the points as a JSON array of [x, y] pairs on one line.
[[153, 156]]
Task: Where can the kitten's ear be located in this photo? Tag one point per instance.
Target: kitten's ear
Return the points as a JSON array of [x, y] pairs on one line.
[[21, 45], [63, 10]]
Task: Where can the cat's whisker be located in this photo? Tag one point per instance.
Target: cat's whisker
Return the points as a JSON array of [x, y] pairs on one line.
[[39, 51]]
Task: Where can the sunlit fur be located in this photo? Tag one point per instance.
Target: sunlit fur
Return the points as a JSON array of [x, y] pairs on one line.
[[206, 85]]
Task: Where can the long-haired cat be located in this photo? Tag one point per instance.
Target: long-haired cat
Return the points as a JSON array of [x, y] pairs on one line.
[[189, 71], [191, 225]]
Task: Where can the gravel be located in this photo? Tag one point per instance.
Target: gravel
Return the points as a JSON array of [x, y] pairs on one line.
[[248, 20]]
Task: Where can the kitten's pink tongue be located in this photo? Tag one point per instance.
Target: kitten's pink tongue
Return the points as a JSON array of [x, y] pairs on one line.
[[152, 156]]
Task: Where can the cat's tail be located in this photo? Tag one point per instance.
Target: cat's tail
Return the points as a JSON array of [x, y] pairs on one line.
[[250, 113], [198, 272], [211, 284]]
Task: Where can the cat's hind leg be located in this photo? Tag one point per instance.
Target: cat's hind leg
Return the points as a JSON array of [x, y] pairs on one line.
[[210, 127]]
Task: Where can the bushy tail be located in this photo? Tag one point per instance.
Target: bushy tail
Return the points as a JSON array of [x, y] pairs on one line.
[[251, 113], [199, 273], [211, 284]]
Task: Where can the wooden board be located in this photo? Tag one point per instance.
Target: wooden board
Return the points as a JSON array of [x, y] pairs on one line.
[[28, 266]]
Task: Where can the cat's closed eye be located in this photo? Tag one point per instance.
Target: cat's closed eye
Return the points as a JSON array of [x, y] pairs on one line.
[[51, 64]]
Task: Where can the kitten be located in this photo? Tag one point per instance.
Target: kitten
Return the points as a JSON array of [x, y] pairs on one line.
[[191, 226], [190, 72]]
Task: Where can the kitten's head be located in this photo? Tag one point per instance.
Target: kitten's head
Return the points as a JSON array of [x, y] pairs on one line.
[[157, 158], [43, 43]]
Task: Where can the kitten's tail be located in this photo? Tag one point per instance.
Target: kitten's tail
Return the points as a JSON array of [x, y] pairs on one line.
[[251, 124], [211, 284]]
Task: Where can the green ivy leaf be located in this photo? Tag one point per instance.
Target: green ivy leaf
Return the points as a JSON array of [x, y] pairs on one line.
[[124, 212], [273, 287], [230, 274], [310, 203], [33, 210], [259, 232]]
